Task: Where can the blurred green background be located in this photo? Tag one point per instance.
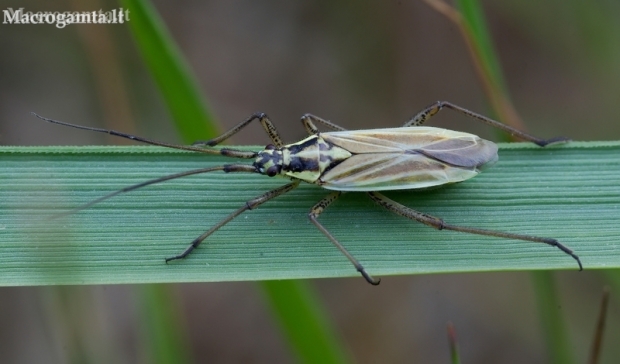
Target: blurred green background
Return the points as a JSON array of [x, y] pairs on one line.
[[360, 64]]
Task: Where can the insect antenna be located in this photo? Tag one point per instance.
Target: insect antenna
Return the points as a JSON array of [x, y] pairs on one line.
[[224, 151], [226, 168]]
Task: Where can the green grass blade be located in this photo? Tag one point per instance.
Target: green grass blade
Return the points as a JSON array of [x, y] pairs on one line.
[[163, 326], [569, 192], [551, 319], [171, 73], [474, 20], [290, 298], [478, 38], [455, 357]]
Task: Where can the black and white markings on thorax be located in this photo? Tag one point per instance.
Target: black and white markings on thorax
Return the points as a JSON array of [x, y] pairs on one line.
[[306, 160]]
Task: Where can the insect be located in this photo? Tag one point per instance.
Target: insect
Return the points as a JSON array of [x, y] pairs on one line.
[[409, 157]]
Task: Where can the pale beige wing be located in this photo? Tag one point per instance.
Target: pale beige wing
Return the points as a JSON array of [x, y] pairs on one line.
[[392, 171], [452, 147]]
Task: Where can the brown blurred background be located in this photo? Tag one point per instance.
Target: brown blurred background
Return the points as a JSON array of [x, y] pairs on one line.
[[360, 64]]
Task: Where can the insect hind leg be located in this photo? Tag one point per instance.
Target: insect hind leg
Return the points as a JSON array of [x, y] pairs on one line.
[[439, 224], [431, 110], [249, 205], [314, 214]]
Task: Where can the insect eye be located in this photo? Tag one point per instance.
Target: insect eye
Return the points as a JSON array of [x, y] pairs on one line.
[[272, 171], [270, 147]]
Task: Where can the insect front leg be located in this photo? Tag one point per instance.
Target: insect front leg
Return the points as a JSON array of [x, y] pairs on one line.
[[439, 224], [264, 121], [430, 111], [249, 205], [314, 214], [308, 120]]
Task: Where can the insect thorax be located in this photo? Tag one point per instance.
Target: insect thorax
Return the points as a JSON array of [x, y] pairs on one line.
[[306, 160]]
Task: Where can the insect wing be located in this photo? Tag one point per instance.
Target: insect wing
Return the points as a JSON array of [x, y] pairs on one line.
[[391, 171], [406, 158]]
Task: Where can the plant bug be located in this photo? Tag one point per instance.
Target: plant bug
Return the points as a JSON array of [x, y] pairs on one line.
[[409, 157]]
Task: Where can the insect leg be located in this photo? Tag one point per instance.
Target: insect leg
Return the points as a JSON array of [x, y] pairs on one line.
[[438, 224], [249, 205], [265, 122], [314, 214], [421, 117], [308, 120]]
